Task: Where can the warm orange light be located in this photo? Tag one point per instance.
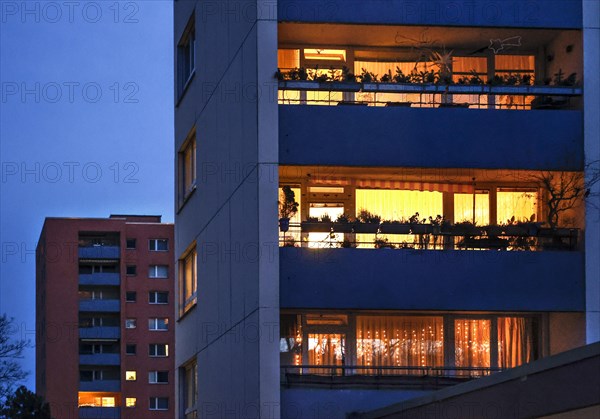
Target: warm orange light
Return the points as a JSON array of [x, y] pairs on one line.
[[98, 399], [325, 54]]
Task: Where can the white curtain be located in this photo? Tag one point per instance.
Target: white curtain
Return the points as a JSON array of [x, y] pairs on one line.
[[463, 208], [519, 204], [515, 341], [407, 341], [472, 343]]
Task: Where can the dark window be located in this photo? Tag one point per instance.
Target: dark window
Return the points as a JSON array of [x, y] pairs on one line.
[[159, 403], [158, 297], [130, 243], [130, 349], [131, 270], [186, 60], [130, 296], [158, 245]]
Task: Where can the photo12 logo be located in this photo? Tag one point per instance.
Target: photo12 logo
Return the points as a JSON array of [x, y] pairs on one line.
[[69, 12]]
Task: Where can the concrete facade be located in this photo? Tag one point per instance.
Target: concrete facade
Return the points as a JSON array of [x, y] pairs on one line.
[[247, 145]]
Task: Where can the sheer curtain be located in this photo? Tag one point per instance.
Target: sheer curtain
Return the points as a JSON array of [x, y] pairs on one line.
[[517, 65], [463, 208], [326, 349], [472, 343], [397, 205], [464, 67], [519, 204], [407, 341], [515, 341], [381, 68]]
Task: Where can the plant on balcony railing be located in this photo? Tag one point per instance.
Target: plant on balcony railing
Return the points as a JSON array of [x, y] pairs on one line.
[[288, 207], [441, 76]]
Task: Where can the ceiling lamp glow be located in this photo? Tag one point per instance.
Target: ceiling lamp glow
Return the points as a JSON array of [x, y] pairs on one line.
[[325, 54]]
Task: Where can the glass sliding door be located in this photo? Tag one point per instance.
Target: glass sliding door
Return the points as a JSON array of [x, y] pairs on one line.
[[327, 349], [472, 344]]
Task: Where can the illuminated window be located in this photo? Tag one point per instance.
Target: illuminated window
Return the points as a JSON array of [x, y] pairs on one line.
[[158, 350], [325, 54], [333, 211], [517, 205], [288, 59], [130, 375], [472, 343], [158, 271], [98, 399], [188, 280], [399, 341], [130, 402], [187, 167], [463, 208], [326, 349], [156, 323], [293, 234]]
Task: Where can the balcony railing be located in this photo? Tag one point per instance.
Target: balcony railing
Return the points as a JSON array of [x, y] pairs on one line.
[[524, 236], [99, 305], [353, 375], [416, 95], [100, 359], [102, 278], [100, 332], [99, 252]]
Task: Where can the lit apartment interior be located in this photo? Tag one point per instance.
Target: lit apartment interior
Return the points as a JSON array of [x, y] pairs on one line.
[[409, 56], [414, 209]]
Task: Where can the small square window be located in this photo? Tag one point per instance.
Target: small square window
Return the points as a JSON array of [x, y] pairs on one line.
[[158, 245], [130, 323], [130, 244], [130, 401], [130, 375], [130, 296], [130, 349], [131, 270]]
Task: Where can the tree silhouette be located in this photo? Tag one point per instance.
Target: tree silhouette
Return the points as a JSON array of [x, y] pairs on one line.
[[25, 404], [10, 350]]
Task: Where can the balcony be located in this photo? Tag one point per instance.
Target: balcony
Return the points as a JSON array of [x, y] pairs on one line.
[[99, 252], [100, 279], [547, 14], [100, 359], [98, 305], [434, 138], [99, 412], [99, 332], [100, 385], [431, 280]]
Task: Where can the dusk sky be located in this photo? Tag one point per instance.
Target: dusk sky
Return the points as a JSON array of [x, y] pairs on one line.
[[86, 126]]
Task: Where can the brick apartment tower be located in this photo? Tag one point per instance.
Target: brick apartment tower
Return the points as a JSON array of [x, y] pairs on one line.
[[104, 304]]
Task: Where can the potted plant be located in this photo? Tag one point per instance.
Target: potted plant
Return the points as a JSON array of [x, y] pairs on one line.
[[366, 222], [395, 227], [418, 226], [383, 243], [316, 225], [342, 224], [288, 207]]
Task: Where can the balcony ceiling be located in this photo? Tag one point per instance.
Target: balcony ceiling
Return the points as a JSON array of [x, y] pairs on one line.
[[294, 34]]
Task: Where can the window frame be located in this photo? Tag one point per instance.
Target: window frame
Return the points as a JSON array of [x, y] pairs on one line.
[[154, 243], [131, 320], [186, 57], [155, 294], [189, 257], [153, 271], [185, 191], [154, 322], [156, 346], [129, 294], [155, 406], [155, 375]]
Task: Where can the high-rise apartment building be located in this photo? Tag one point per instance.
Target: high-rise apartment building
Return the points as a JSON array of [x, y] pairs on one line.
[[105, 303], [431, 148]]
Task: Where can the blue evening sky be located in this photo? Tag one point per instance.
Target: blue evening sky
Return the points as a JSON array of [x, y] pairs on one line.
[[86, 126]]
